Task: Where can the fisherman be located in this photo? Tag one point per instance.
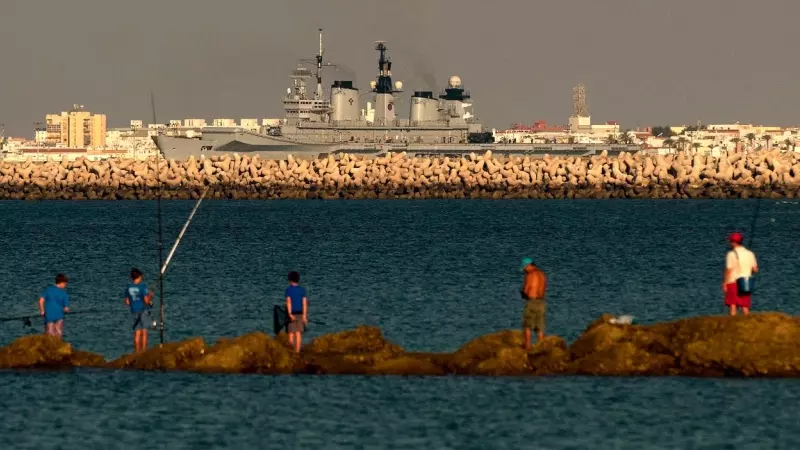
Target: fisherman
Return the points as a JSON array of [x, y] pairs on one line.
[[533, 290], [739, 263], [297, 309], [53, 303], [139, 298]]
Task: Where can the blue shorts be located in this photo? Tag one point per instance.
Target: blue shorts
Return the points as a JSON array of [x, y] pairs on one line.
[[142, 320]]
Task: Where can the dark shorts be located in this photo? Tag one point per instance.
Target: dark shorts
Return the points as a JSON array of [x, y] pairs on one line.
[[142, 320], [732, 297], [297, 326], [533, 317]]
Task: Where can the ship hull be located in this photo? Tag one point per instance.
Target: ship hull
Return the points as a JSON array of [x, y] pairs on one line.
[[266, 147], [181, 148]]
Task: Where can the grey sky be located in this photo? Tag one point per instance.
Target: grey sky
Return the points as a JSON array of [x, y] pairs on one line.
[[643, 61]]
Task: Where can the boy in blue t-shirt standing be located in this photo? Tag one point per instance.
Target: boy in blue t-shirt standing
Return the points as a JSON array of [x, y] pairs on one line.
[[139, 299], [53, 303], [297, 309]]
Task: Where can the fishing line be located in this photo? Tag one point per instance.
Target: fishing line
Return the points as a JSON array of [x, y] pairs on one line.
[[753, 222]]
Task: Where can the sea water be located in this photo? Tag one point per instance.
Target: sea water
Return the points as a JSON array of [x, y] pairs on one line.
[[432, 275]]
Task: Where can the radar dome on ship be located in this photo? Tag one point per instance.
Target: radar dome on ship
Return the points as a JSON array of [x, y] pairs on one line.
[[398, 85], [454, 81]]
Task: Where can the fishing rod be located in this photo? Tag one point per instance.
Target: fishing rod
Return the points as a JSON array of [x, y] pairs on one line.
[[26, 320], [161, 263], [160, 238], [183, 231], [753, 222]]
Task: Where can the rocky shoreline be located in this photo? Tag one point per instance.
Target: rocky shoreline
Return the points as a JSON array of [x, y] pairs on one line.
[[760, 345], [771, 174]]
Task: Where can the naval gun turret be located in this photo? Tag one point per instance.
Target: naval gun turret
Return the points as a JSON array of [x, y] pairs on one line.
[[383, 88]]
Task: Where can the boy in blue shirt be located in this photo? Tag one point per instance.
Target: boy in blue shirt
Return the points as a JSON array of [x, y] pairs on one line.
[[139, 299], [53, 303], [297, 309]]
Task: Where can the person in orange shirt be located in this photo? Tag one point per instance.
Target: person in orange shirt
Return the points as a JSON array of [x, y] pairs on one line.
[[533, 290]]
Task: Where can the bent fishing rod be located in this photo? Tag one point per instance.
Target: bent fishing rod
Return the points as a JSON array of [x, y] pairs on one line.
[[165, 264]]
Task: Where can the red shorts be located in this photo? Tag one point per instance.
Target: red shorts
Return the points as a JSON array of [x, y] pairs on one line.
[[732, 297]]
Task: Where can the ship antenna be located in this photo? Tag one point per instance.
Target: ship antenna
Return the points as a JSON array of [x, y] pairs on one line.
[[319, 67]]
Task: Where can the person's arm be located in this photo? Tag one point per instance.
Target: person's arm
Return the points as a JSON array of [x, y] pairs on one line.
[[66, 303], [41, 306], [755, 264], [544, 285], [305, 310], [148, 297], [289, 307]]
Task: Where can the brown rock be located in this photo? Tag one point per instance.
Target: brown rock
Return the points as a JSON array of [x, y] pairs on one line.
[[756, 345], [35, 351], [352, 351], [251, 353], [498, 353], [549, 356], [171, 356]]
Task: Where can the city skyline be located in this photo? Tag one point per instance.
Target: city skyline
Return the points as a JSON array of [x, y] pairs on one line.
[[720, 61]]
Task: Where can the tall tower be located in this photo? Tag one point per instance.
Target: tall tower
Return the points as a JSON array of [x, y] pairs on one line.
[[579, 107], [580, 119]]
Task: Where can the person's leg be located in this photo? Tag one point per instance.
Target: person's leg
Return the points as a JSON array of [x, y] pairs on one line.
[[298, 342], [732, 310], [526, 340], [59, 328], [541, 311], [144, 340], [49, 329], [291, 338], [744, 303], [137, 341]]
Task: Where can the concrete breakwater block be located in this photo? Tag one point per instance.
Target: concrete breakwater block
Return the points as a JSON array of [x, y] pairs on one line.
[[773, 174]]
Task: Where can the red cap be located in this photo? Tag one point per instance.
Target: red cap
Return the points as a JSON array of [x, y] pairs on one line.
[[736, 237]]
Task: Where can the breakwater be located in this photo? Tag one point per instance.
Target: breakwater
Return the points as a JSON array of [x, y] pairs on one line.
[[759, 345], [772, 174]]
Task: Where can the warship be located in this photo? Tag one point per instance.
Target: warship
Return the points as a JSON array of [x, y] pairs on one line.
[[319, 124]]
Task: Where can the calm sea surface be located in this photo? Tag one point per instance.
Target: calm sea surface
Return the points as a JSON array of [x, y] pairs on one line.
[[432, 275]]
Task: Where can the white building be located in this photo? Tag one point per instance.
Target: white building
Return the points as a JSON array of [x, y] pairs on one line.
[[250, 124], [270, 122], [194, 123], [225, 123]]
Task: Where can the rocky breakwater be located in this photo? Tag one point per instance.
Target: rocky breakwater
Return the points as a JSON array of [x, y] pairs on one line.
[[761, 345], [771, 174]]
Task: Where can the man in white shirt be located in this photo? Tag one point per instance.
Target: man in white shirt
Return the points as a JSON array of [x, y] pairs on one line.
[[739, 263]]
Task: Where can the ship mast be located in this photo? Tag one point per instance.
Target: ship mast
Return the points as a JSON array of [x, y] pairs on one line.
[[318, 94]]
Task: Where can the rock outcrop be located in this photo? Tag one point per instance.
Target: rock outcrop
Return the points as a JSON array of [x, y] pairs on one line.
[[45, 352], [773, 174], [760, 345]]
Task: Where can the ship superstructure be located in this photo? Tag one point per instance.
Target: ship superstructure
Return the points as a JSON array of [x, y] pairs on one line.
[[316, 123]]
